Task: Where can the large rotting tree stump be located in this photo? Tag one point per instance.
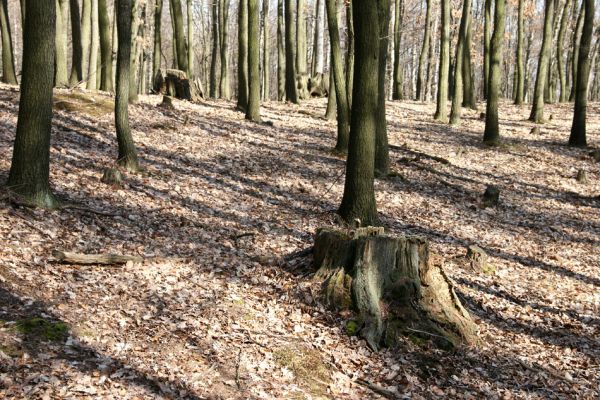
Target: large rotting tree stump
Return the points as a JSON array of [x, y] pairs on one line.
[[175, 83], [393, 286]]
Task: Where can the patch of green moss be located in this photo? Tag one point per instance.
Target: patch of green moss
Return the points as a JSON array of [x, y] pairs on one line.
[[488, 269], [352, 327], [307, 366], [43, 329]]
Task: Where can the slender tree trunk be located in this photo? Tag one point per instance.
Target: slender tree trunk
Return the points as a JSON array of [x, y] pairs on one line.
[[127, 153], [578, 129], [318, 42], [526, 91], [179, 35], [331, 111], [350, 54], [537, 110], [487, 34], [301, 37], [157, 54], [76, 38], [358, 201], [242, 67], [266, 58], [397, 92], [559, 51], [133, 61], [115, 45], [281, 76], [190, 40], [520, 92], [86, 38], [430, 65], [382, 153], [458, 67], [105, 47], [442, 95], [575, 57], [424, 50], [491, 134], [215, 50], [30, 168], [224, 86], [469, 95], [94, 45], [253, 111], [337, 69], [61, 78], [291, 90]]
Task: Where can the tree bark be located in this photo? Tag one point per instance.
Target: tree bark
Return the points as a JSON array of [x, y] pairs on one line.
[[76, 38], [8, 59], [358, 201], [61, 74], [291, 90], [559, 51], [537, 109], [242, 67], [105, 47], [382, 152], [337, 70], [458, 67], [179, 35], [281, 76], [86, 38], [127, 153], [469, 94], [487, 33], [491, 135], [520, 92], [575, 56], [213, 87], [190, 41], [224, 85], [266, 88], [157, 54], [301, 38], [350, 52], [318, 53], [578, 128], [133, 59], [394, 286], [331, 111], [441, 113], [30, 168], [424, 50], [94, 45], [397, 91], [253, 111]]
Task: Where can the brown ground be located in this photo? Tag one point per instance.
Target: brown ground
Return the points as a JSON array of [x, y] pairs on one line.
[[214, 311]]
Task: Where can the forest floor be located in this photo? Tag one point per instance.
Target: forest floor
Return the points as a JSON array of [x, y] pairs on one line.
[[216, 311]]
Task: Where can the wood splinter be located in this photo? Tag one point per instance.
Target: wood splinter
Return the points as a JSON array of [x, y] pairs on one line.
[[105, 259]]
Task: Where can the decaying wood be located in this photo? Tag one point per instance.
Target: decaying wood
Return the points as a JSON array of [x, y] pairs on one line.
[[392, 284], [105, 259], [175, 83]]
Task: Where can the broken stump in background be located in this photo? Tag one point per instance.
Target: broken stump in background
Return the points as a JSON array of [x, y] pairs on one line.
[[393, 285], [112, 176], [582, 177], [175, 83], [491, 196]]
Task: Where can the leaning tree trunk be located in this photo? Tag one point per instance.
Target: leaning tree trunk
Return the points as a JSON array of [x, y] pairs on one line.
[[337, 71], [291, 91], [281, 76], [397, 92], [423, 54], [8, 62], [127, 152], [578, 129], [358, 201], [441, 113], [253, 111], [393, 285], [30, 169], [575, 55], [242, 67], [491, 134], [537, 109]]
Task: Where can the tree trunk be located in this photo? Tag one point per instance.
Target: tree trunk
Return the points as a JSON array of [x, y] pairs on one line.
[[94, 45], [105, 47], [358, 201], [350, 53], [301, 38], [397, 92], [394, 286], [281, 76], [61, 78], [575, 57], [520, 92], [157, 54], [441, 113], [491, 135], [253, 111], [213, 87], [242, 67], [76, 38], [559, 51], [133, 61], [337, 70], [424, 50], [127, 152], [459, 68], [382, 153], [190, 41], [179, 35], [537, 110], [318, 53], [224, 86], [291, 91], [30, 168], [469, 93], [578, 129], [331, 111], [266, 59], [487, 33], [86, 38]]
